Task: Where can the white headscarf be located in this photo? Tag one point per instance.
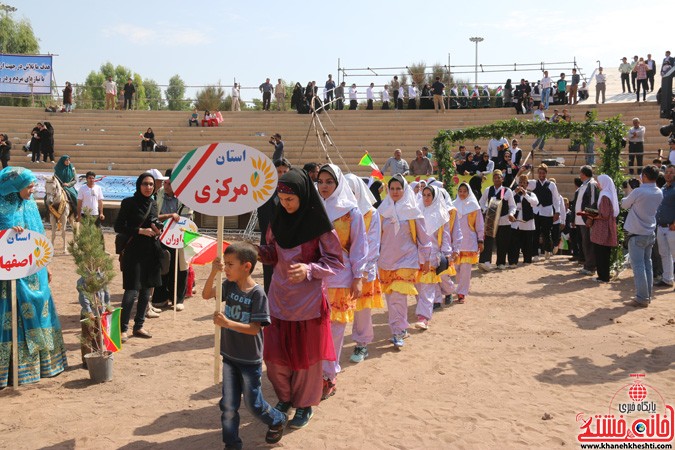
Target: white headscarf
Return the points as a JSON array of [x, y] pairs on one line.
[[404, 209], [607, 189], [435, 215], [448, 201], [342, 200], [468, 205], [364, 198]]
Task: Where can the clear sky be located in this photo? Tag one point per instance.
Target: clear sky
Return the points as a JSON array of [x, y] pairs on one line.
[[207, 42]]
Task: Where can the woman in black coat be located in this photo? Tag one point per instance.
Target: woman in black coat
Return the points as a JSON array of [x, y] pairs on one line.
[[148, 142], [47, 142], [139, 227]]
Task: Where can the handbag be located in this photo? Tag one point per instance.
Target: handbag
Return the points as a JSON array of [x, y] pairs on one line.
[[442, 265]]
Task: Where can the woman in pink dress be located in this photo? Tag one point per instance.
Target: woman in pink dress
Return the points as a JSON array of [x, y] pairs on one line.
[[304, 250]]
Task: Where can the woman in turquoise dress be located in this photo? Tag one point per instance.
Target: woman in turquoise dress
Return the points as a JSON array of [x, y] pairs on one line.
[[42, 352], [65, 172]]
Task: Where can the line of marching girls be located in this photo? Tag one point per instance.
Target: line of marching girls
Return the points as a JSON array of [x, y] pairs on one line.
[[337, 252]]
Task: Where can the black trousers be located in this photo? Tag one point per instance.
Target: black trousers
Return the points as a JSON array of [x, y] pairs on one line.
[[635, 153], [339, 104], [127, 102], [165, 291], [267, 97], [643, 84], [555, 235], [575, 244], [329, 98], [353, 104], [521, 241], [268, 271], [602, 257], [369, 104], [501, 241], [650, 77], [625, 82], [633, 77], [412, 104], [396, 98], [544, 227]]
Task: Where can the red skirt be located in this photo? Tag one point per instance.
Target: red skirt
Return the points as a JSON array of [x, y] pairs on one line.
[[299, 344]]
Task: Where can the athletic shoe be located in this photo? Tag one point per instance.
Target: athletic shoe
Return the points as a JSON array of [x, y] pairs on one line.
[[460, 299], [329, 389], [301, 418], [661, 283], [405, 334], [153, 309], [422, 323], [150, 314], [397, 340], [599, 280], [535, 258], [448, 300], [125, 336], [586, 272], [436, 307], [180, 307], [276, 432], [485, 267], [547, 256], [637, 304], [501, 267], [283, 406], [360, 353]]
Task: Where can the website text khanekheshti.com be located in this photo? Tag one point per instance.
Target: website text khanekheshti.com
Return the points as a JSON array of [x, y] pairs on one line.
[[627, 445]]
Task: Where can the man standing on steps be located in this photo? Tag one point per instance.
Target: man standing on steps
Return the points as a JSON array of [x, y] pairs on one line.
[[280, 95], [278, 147], [396, 164], [574, 87], [129, 91], [395, 87], [651, 71], [625, 68], [633, 72], [370, 96], [545, 89], [585, 197], [437, 90], [110, 93], [235, 98], [330, 91], [266, 88]]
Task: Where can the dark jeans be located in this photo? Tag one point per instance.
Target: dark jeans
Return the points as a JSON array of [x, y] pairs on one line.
[[243, 379], [339, 104], [165, 291], [267, 96], [329, 98], [48, 154], [633, 77], [521, 240], [353, 104], [128, 303], [544, 227], [127, 102], [501, 241], [575, 244], [625, 82], [643, 84], [602, 257], [395, 98], [369, 104], [650, 77], [635, 152]]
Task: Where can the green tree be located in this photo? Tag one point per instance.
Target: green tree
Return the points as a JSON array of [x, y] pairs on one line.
[[175, 93], [141, 102], [211, 97], [153, 94], [417, 73], [91, 95]]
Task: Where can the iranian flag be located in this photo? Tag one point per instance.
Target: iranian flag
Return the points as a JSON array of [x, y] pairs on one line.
[[200, 250], [368, 162], [112, 333], [499, 92]]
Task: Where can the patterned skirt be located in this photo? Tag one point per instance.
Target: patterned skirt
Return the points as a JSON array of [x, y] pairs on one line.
[[399, 280]]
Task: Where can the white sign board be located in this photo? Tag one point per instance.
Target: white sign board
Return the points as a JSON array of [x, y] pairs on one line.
[[172, 236], [224, 179], [23, 254]]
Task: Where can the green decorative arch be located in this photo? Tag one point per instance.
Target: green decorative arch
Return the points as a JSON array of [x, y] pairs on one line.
[[611, 132]]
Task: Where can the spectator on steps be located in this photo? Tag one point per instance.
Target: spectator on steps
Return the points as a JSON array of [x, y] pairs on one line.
[[194, 118], [148, 142]]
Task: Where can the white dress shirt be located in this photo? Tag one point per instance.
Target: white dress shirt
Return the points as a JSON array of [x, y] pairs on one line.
[[352, 93], [546, 211], [369, 94], [529, 225], [508, 197]]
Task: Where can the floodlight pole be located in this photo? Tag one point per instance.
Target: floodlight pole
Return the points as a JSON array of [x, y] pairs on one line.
[[476, 39]]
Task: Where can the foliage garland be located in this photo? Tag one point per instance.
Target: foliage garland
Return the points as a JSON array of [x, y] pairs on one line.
[[612, 132]]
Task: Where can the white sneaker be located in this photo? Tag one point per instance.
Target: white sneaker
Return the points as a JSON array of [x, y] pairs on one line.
[[155, 310], [180, 307], [485, 267], [150, 314], [535, 259]]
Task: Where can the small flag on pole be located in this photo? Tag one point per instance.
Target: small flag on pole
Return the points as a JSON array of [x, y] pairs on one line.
[[112, 333], [200, 250], [368, 162]]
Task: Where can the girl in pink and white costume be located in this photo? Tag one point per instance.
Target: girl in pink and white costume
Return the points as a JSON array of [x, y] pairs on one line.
[[447, 285], [436, 222], [345, 286], [473, 231], [371, 296], [405, 249]]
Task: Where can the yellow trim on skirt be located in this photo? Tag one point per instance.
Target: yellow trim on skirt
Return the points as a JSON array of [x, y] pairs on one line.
[[371, 296], [399, 280]]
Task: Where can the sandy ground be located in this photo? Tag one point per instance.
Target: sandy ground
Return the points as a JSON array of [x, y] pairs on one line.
[[528, 342]]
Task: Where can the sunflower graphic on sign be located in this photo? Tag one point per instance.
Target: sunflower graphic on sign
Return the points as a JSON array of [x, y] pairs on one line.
[[42, 252]]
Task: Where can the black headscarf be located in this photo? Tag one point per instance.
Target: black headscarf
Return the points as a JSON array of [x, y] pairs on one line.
[[375, 187], [476, 182], [142, 200], [309, 221]]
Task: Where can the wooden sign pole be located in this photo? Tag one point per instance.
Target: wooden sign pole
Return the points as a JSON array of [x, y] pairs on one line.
[[218, 302], [175, 281], [15, 337]]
